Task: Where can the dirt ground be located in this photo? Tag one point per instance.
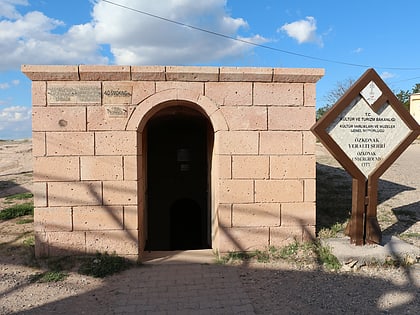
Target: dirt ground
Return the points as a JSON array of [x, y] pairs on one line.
[[273, 288]]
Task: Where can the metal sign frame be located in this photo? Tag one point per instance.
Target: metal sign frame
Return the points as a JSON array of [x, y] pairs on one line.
[[363, 226]]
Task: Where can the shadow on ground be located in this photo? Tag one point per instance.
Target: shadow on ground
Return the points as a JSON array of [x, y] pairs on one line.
[[334, 198], [222, 289]]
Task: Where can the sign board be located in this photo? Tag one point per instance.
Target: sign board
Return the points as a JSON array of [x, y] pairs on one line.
[[366, 131]]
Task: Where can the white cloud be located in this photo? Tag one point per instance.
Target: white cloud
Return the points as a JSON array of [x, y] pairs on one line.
[[387, 75], [304, 31], [358, 50], [132, 37], [7, 85], [8, 8], [30, 39], [15, 122], [137, 38]]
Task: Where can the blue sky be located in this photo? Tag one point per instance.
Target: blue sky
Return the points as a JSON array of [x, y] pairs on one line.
[[343, 37]]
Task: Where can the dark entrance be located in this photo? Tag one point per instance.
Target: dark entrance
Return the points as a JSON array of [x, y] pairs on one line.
[[177, 180]]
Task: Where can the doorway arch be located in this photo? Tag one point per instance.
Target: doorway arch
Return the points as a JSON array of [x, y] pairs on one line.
[[178, 140], [137, 122]]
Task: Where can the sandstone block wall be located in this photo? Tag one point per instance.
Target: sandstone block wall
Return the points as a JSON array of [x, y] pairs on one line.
[[89, 170]]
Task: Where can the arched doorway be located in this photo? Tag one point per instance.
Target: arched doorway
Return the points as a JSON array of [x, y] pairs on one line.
[[178, 143]]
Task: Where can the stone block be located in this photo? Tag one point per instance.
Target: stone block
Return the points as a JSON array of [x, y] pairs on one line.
[[297, 75], [280, 142], [53, 219], [88, 218], [224, 164], [66, 243], [74, 193], [285, 235], [142, 90], [101, 167], [246, 117], [116, 143], [124, 242], [192, 73], [230, 93], [236, 191], [250, 166], [224, 215], [52, 169], [309, 142], [120, 192], [280, 94], [309, 234], [106, 118], [51, 72], [298, 213], [197, 87], [309, 193], [243, 239], [256, 214], [39, 93], [104, 73], [148, 73], [73, 93], [290, 118], [309, 94], [38, 144], [131, 171], [59, 118], [70, 143], [131, 218], [237, 142], [292, 167], [278, 190], [246, 74], [39, 189], [117, 93]]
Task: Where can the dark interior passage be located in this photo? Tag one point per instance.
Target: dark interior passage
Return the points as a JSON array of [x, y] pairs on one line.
[[177, 180]]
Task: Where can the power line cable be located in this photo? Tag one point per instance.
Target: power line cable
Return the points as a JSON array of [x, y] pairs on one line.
[[255, 44]]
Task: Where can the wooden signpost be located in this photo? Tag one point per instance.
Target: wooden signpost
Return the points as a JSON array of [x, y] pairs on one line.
[[366, 131]]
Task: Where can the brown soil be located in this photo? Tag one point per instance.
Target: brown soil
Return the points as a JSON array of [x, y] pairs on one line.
[[274, 287]]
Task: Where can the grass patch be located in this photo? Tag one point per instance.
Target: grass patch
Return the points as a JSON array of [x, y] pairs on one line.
[[326, 258], [21, 196], [17, 211], [333, 231], [302, 254], [29, 242], [102, 265], [24, 221], [49, 276]]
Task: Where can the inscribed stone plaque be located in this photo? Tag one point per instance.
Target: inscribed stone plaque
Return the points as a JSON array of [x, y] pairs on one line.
[[117, 93], [365, 136], [73, 93], [116, 111]]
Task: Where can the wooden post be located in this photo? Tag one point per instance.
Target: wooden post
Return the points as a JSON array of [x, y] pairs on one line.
[[356, 225], [373, 231]]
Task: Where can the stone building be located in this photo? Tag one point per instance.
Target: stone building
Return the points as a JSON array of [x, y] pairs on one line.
[[415, 106], [128, 158]]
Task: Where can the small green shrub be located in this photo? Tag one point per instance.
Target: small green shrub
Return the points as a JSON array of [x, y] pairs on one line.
[[49, 276], [30, 241], [24, 221], [289, 250], [262, 256], [326, 258], [21, 196], [17, 211], [102, 265]]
